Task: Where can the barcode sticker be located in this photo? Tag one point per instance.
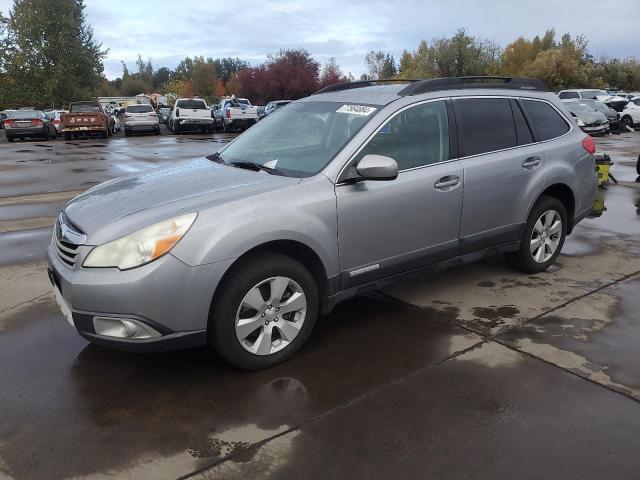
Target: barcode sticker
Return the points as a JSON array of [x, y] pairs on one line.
[[362, 110]]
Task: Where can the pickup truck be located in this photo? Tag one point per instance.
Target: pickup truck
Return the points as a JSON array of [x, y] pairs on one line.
[[235, 113], [190, 114], [85, 118]]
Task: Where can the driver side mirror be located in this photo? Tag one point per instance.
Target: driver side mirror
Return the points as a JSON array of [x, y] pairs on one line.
[[377, 167]]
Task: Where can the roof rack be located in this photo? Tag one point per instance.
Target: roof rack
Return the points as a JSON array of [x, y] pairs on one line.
[[336, 87], [454, 83]]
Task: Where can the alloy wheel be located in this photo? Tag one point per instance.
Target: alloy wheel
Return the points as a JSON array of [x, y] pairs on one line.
[[270, 315], [546, 235]]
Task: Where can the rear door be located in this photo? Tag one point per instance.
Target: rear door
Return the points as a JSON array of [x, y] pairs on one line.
[[504, 167], [387, 227]]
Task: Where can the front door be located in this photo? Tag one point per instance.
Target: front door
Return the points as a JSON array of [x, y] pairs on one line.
[[387, 227]]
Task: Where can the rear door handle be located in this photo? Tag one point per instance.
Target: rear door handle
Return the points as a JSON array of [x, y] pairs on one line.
[[531, 162], [448, 181]]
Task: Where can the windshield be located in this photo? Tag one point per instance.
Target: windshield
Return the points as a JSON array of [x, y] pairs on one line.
[[580, 107], [302, 139], [596, 105], [593, 93], [193, 104], [84, 108]]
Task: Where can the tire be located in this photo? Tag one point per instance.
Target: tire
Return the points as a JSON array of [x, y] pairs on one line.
[[10, 139], [176, 129], [127, 133], [626, 121], [551, 243], [264, 270], [105, 134]]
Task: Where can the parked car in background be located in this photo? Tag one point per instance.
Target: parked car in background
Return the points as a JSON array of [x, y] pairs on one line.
[[613, 101], [273, 106], [613, 117], [190, 114], [163, 115], [340, 192], [630, 116], [85, 118], [3, 117], [589, 120], [55, 116], [235, 113], [28, 124], [140, 118]]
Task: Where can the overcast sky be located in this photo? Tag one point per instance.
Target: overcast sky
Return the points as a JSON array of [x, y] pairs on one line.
[[167, 31]]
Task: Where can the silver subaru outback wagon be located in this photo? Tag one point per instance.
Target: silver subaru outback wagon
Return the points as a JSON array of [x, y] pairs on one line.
[[352, 187]]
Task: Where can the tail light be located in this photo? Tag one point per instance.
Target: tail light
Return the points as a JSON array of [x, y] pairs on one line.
[[56, 121], [9, 123], [589, 145], [177, 112], [36, 121], [228, 113], [152, 114]]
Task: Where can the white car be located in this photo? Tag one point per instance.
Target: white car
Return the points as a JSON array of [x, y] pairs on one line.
[[614, 101], [190, 114], [235, 112], [630, 116]]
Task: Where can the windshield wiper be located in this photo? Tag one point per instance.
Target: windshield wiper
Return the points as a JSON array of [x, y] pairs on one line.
[[256, 167]]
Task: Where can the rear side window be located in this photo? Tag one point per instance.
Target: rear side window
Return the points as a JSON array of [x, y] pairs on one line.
[[414, 137], [523, 133], [486, 125], [569, 95], [547, 122], [139, 108]]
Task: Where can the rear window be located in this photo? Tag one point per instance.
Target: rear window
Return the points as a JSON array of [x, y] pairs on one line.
[[569, 95], [27, 114], [547, 122], [139, 108], [192, 104], [84, 108], [486, 125], [593, 93]]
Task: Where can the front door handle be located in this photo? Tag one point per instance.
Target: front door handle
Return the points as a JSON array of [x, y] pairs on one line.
[[448, 181], [531, 162]]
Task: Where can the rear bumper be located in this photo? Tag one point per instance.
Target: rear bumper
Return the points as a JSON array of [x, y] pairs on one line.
[[85, 128], [141, 125], [25, 132]]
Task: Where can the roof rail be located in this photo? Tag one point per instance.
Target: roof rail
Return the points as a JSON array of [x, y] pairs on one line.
[[336, 87], [453, 83]]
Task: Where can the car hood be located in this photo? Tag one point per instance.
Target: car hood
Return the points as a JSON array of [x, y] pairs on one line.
[[126, 204], [590, 117]]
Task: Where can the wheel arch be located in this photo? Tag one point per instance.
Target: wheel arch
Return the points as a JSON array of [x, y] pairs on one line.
[[564, 193], [297, 250]]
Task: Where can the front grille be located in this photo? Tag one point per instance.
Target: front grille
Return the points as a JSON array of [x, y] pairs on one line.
[[67, 239]]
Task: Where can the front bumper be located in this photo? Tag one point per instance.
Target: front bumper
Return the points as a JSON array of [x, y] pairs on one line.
[[167, 295]]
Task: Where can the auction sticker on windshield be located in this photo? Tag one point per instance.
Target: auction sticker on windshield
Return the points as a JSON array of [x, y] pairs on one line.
[[362, 110]]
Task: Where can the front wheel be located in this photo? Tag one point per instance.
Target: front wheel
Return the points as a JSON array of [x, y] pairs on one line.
[[627, 121], [542, 238], [265, 310]]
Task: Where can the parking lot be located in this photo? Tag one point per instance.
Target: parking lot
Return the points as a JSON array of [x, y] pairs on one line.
[[477, 372]]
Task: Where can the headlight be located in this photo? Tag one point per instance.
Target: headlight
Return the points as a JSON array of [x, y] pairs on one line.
[[579, 122], [142, 246]]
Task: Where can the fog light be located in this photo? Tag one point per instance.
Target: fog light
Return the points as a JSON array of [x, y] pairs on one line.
[[123, 328]]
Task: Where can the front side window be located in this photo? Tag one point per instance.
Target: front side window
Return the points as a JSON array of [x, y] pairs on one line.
[[414, 137], [302, 139], [486, 125]]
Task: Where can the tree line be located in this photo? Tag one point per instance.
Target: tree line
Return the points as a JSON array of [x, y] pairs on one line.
[[49, 57]]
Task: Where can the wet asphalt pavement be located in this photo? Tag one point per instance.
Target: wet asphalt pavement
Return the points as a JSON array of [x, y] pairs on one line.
[[478, 372]]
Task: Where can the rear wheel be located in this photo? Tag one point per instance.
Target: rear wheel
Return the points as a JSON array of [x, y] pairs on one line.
[[176, 128], [265, 310], [627, 121], [127, 133], [543, 237], [105, 134], [10, 139]]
